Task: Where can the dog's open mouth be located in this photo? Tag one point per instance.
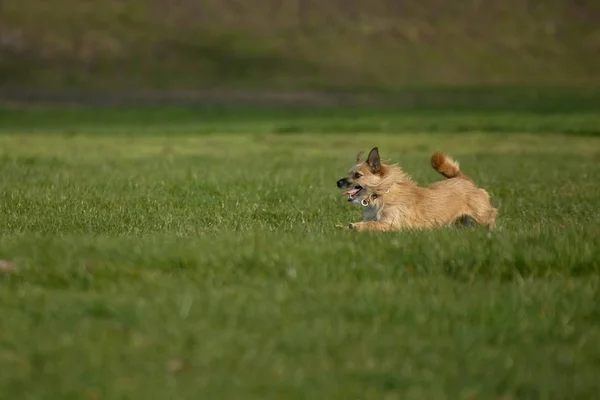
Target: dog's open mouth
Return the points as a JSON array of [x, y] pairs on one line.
[[352, 193]]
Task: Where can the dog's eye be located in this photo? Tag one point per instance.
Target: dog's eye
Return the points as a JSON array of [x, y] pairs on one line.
[[357, 175]]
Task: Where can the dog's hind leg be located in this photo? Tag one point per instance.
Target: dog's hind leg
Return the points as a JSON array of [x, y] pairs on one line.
[[492, 218], [466, 221], [484, 217], [481, 210]]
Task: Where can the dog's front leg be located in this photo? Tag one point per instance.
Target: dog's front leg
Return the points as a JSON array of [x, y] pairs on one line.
[[370, 226]]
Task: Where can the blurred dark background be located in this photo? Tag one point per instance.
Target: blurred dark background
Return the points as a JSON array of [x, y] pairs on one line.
[[291, 46]]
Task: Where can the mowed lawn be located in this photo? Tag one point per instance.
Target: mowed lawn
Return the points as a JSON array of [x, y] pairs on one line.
[[197, 262]]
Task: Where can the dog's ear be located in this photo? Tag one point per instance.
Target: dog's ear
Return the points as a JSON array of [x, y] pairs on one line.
[[374, 161], [359, 156]]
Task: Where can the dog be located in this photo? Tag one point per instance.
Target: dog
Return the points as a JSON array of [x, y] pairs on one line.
[[392, 201]]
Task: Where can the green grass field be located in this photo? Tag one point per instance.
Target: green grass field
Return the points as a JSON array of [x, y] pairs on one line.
[[190, 254]]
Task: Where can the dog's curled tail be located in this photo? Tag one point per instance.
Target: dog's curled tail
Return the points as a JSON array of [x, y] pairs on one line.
[[446, 166]]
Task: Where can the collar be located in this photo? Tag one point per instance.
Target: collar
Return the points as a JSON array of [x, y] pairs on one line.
[[367, 202]]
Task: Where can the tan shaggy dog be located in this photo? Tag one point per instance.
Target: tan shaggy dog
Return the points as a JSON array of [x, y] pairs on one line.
[[392, 201]]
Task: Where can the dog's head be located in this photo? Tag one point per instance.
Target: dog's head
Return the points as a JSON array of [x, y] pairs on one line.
[[363, 178]]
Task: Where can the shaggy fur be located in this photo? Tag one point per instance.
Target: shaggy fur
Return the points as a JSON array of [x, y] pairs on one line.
[[392, 201]]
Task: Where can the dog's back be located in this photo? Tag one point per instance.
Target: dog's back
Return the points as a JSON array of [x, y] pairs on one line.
[[460, 189]]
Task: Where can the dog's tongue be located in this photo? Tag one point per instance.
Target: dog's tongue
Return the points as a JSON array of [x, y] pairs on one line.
[[350, 192]]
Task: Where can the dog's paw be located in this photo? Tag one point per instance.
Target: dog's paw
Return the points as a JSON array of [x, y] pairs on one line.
[[347, 227]]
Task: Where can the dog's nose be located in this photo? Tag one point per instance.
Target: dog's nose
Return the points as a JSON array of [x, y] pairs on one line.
[[340, 183]]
